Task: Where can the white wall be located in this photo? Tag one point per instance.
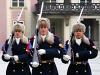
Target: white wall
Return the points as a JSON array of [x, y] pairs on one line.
[[28, 14], [75, 1], [9, 24], [95, 1], [60, 1], [66, 29]]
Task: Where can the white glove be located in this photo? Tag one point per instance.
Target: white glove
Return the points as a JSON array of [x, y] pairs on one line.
[[15, 57], [34, 64], [66, 57], [7, 56], [41, 51], [77, 55]]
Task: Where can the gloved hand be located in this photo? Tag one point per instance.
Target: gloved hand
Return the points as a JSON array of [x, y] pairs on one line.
[[7, 56], [77, 55], [15, 57], [41, 51], [66, 57], [34, 64]]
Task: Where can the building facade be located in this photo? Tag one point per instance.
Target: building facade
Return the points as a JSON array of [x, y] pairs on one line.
[[63, 14], [10, 11]]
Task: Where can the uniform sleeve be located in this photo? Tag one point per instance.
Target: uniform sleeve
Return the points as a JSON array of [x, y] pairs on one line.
[[90, 53], [24, 58], [4, 49], [66, 46], [56, 50], [65, 51], [27, 56]]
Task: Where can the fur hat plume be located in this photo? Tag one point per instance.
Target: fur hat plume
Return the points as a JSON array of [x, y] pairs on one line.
[[18, 26], [79, 26], [46, 20]]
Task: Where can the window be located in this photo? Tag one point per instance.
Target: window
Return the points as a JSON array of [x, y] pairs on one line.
[[50, 1], [67, 1], [85, 1], [17, 3]]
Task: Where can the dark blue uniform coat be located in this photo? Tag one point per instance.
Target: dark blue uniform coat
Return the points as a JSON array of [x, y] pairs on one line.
[[85, 52], [22, 67], [52, 51]]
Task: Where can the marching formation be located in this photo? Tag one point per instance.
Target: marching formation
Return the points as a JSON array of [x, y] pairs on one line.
[[39, 51]]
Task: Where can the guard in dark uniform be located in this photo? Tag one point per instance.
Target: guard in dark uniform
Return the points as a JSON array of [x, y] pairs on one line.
[[15, 52], [81, 49], [49, 47]]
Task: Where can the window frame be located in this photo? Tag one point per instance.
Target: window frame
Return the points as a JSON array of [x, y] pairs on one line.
[[50, 1], [17, 4], [86, 1]]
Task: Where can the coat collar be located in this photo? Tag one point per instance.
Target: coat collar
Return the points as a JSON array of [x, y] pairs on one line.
[[49, 38]]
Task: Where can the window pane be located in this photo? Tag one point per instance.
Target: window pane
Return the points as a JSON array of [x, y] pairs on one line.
[[14, 4], [52, 1], [21, 0], [14, 0], [89, 1], [21, 4], [82, 1], [48, 1], [67, 1], [85, 1]]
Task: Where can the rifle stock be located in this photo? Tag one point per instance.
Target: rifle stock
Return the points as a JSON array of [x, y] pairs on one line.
[[36, 57]]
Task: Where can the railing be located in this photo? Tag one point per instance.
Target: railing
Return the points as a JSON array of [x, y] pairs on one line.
[[70, 8]]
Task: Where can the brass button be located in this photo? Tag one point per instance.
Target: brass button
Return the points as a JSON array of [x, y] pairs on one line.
[[49, 71], [22, 70], [76, 71], [85, 71], [40, 72], [13, 70]]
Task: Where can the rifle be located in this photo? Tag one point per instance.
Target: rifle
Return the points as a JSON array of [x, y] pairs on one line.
[[10, 41], [70, 50], [9, 50], [78, 20], [36, 57]]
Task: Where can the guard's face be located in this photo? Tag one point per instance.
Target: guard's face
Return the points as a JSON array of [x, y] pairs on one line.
[[18, 33], [78, 34], [43, 29]]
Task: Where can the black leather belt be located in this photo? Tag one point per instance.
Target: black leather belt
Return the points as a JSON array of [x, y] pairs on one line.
[[81, 62], [46, 61]]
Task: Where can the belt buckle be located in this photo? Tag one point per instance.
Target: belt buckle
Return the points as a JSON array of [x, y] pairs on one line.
[[78, 62], [44, 61]]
